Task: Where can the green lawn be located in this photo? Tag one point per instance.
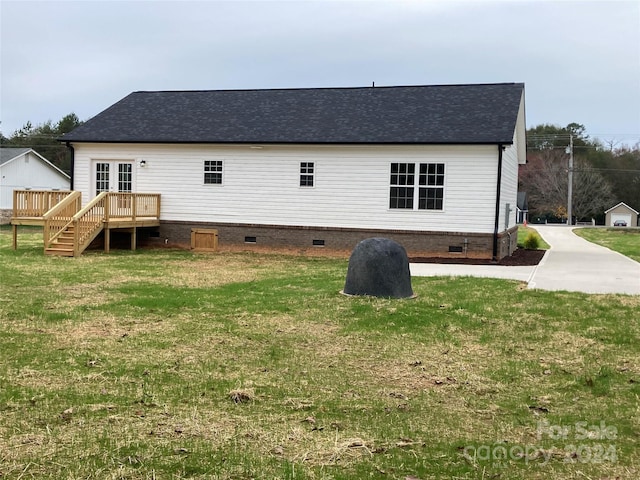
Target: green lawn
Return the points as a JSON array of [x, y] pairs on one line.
[[164, 364], [623, 240], [524, 231]]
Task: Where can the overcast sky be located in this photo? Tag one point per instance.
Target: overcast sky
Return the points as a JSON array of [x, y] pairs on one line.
[[580, 60]]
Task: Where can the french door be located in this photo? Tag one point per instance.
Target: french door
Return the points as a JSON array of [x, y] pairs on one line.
[[113, 176]]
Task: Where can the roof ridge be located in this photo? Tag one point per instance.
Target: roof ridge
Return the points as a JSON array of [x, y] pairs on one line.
[[290, 89]]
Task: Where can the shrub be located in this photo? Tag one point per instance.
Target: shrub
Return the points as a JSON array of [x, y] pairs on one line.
[[532, 241]]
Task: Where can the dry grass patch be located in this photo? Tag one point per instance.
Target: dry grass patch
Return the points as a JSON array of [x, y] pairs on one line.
[[242, 395], [87, 295], [567, 350], [209, 271]]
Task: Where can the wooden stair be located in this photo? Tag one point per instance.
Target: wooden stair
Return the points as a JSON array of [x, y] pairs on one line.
[[62, 246], [69, 229]]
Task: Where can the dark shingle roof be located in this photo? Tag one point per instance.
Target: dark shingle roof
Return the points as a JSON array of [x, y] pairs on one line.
[[445, 114]]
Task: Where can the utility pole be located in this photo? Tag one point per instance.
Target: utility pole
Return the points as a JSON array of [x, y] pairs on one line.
[[570, 181]]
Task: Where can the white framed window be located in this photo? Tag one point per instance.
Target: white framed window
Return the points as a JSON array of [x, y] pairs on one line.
[[402, 185], [403, 193], [125, 177], [307, 173], [431, 186], [102, 177], [213, 172]]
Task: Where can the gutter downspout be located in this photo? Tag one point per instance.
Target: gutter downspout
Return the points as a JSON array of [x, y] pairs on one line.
[[72, 164], [497, 220]]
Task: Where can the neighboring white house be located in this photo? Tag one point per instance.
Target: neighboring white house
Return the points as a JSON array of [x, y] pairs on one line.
[[621, 213], [24, 168], [522, 209], [432, 167]]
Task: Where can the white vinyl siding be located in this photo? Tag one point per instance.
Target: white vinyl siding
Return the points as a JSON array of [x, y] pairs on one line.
[[509, 187], [262, 186], [512, 156]]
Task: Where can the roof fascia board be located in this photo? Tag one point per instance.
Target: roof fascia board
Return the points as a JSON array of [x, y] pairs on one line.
[[521, 131], [150, 142]]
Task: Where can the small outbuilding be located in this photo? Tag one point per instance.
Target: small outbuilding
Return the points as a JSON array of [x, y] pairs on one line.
[[26, 169], [621, 214]]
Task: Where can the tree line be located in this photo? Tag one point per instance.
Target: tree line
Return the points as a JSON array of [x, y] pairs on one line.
[[602, 174], [42, 138]]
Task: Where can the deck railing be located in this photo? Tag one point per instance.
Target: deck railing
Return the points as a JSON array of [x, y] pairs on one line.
[[35, 203], [133, 205], [60, 216]]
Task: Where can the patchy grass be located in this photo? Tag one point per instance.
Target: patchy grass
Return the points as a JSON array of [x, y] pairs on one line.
[[623, 240], [168, 364]]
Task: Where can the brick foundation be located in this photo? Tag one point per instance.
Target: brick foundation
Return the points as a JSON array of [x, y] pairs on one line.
[[417, 244]]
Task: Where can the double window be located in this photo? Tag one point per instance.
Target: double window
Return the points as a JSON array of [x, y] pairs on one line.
[[429, 194], [213, 171]]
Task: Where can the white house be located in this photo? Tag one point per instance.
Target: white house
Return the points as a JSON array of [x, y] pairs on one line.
[[24, 168], [432, 167]]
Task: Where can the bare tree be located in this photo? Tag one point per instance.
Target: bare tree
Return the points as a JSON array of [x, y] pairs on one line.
[[592, 194], [545, 179]]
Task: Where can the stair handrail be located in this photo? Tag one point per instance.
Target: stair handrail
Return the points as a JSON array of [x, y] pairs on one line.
[[89, 221], [58, 217]]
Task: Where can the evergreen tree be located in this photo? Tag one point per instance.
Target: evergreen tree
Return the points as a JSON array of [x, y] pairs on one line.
[[43, 139]]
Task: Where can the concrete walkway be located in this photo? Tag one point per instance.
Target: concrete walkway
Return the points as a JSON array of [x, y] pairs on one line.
[[523, 274], [572, 264]]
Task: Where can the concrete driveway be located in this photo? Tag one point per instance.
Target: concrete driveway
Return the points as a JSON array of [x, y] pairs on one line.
[[577, 265], [572, 264]]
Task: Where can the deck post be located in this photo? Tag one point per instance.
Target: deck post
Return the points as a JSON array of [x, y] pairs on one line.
[[14, 231], [133, 238], [107, 239]]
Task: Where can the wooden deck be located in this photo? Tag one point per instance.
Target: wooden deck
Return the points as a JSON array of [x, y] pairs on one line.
[[68, 229]]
